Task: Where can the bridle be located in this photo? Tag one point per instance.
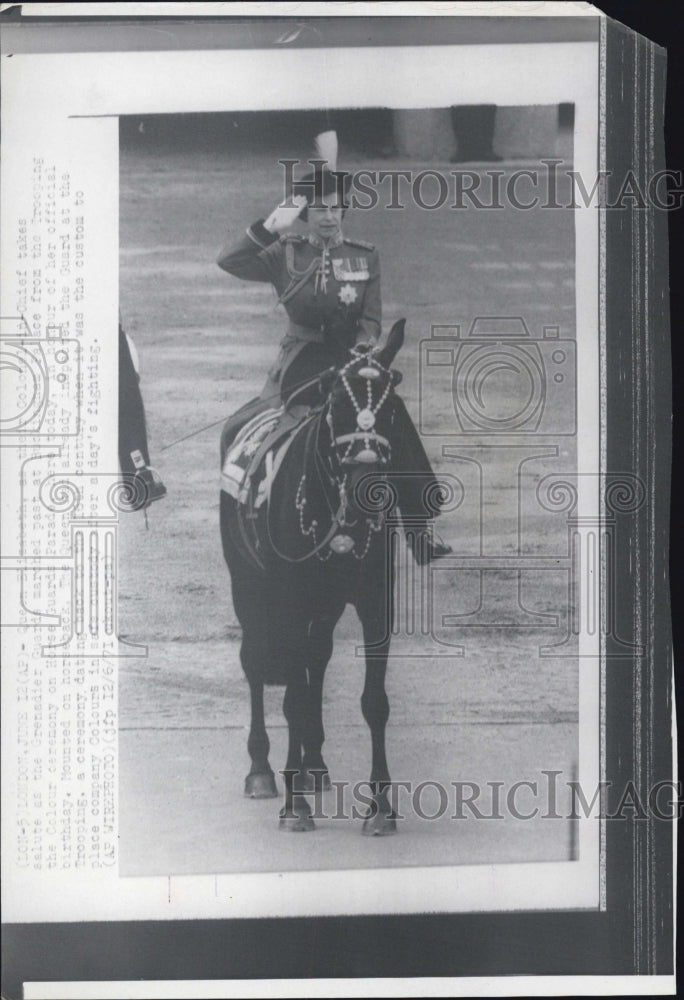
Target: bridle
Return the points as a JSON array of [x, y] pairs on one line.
[[366, 415], [333, 475]]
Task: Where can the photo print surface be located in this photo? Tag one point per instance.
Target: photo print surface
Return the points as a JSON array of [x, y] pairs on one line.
[[470, 219], [483, 670]]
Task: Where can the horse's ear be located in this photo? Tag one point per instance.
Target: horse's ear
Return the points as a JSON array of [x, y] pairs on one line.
[[395, 342]]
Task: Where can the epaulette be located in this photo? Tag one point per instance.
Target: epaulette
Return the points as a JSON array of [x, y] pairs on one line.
[[293, 238], [360, 243]]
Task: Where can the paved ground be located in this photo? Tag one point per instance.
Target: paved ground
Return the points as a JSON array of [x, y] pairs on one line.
[[498, 713]]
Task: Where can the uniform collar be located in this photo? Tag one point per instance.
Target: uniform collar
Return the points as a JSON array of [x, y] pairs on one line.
[[335, 241]]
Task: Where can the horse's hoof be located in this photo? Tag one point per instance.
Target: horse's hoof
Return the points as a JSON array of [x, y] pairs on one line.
[[379, 824], [260, 786], [295, 823]]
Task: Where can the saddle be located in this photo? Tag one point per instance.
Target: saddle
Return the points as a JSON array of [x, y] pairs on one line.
[[253, 459]]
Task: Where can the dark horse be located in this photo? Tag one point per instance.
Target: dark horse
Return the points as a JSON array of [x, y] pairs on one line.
[[320, 543]]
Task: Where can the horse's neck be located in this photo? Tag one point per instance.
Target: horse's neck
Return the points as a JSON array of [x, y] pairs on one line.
[[303, 472], [320, 485]]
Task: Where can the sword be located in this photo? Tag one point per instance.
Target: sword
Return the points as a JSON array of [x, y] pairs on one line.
[[275, 395]]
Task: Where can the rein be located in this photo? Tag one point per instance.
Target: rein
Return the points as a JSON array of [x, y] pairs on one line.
[[330, 479], [300, 503]]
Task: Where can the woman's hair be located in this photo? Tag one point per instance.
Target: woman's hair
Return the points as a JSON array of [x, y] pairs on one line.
[[320, 183]]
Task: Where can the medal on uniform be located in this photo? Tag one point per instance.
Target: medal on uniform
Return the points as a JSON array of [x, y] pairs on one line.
[[321, 283], [347, 294], [351, 269]]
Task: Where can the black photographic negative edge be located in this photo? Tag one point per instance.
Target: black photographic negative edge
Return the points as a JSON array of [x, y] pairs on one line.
[[639, 877]]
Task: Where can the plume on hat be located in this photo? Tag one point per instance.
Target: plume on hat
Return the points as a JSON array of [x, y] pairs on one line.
[[325, 144]]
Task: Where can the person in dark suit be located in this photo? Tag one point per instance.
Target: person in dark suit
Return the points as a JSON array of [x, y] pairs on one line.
[[134, 455]]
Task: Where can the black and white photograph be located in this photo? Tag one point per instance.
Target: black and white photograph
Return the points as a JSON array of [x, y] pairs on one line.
[[471, 686], [376, 307], [330, 554]]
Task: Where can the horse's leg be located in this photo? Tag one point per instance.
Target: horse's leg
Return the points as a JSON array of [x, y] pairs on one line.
[[260, 782], [317, 775], [320, 650], [254, 653], [297, 707], [375, 707]]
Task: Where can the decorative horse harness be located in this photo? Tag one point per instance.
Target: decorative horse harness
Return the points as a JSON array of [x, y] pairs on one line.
[[375, 448]]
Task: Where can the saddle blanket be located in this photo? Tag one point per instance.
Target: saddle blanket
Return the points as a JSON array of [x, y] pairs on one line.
[[237, 473]]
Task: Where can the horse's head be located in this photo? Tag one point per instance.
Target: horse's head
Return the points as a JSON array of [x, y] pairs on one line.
[[360, 406], [359, 414], [346, 447]]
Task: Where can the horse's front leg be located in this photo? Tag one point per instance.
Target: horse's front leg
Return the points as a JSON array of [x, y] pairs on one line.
[[254, 650], [321, 632], [381, 820], [260, 782], [298, 709]]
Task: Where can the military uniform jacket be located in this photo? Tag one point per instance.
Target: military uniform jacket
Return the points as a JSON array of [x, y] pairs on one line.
[[328, 292]]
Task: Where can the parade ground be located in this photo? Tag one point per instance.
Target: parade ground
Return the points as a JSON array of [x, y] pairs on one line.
[[477, 693]]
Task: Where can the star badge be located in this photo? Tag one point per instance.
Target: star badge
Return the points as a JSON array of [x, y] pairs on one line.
[[348, 294]]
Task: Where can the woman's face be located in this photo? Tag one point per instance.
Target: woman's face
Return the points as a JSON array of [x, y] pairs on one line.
[[325, 219]]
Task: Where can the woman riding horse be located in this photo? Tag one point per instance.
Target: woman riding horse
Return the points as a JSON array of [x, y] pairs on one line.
[[330, 288], [319, 542]]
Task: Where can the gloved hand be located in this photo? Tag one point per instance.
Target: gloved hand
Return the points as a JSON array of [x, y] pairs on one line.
[[150, 485], [284, 215]]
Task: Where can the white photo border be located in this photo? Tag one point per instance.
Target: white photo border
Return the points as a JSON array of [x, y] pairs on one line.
[[65, 108]]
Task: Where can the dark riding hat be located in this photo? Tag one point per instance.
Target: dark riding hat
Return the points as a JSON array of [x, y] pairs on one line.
[[320, 183]]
